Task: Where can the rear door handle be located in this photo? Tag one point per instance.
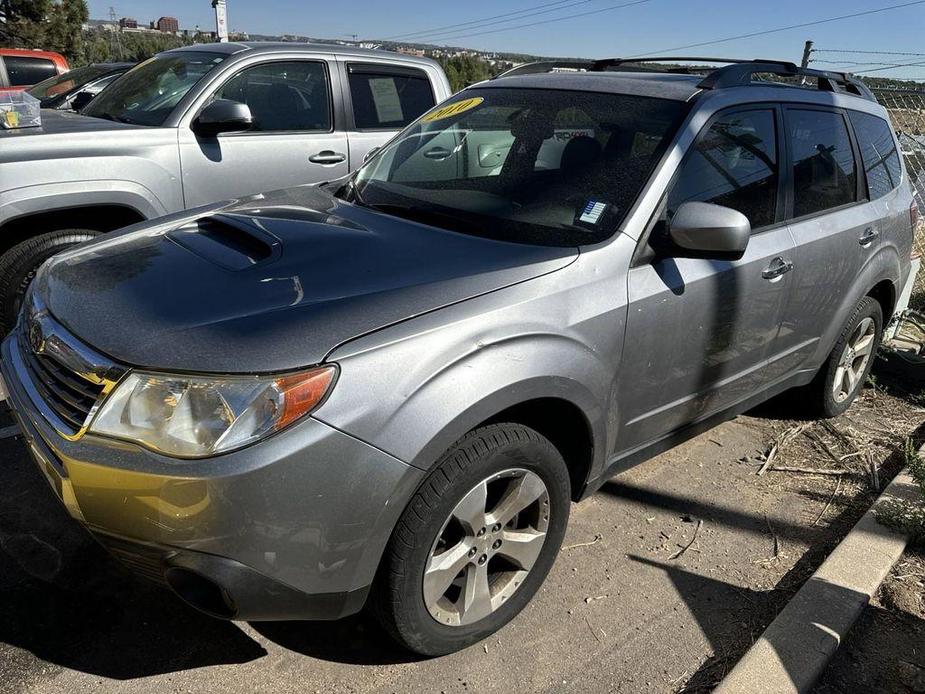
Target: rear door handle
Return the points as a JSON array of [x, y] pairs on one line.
[[438, 153], [868, 237], [327, 157], [778, 268]]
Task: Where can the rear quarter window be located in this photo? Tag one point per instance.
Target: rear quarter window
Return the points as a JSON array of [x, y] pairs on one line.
[[388, 99], [25, 71], [878, 151]]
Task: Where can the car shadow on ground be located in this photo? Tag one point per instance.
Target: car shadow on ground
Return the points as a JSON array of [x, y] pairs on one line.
[[66, 601]]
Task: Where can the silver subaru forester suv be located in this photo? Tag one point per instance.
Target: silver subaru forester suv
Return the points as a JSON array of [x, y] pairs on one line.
[[388, 388]]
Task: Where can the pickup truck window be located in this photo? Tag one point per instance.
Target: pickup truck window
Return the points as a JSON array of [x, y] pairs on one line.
[[388, 99], [25, 71], [148, 93], [283, 96]]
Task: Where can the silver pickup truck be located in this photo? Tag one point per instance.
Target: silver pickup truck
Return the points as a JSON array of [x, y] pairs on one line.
[[193, 126]]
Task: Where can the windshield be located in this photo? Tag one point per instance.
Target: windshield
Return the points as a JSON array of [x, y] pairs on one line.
[[148, 93], [527, 165], [62, 84]]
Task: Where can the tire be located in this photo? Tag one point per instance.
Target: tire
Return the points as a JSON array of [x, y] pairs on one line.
[[866, 321], [502, 458], [19, 265]]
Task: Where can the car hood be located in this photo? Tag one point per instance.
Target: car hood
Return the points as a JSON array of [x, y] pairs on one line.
[[271, 283], [66, 123]]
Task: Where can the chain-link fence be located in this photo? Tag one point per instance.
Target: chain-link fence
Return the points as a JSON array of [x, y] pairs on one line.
[[907, 111]]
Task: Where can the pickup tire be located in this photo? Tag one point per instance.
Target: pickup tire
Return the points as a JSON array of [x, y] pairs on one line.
[[19, 265], [498, 489]]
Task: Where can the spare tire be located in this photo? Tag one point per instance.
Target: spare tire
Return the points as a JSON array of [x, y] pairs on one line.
[[20, 263]]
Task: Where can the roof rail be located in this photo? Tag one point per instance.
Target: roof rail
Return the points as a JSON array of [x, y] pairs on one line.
[[736, 72], [546, 66]]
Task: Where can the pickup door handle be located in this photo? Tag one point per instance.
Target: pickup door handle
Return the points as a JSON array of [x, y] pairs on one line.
[[327, 157], [777, 268], [868, 237]]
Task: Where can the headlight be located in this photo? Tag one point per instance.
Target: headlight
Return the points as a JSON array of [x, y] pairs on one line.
[[197, 416]]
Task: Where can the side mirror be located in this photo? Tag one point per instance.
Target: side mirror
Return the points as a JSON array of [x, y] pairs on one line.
[[704, 230], [81, 99], [223, 116], [370, 154]]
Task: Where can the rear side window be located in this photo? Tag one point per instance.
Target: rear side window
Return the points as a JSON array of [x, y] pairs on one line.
[[24, 71], [386, 98], [283, 96], [824, 171], [733, 164], [878, 151]]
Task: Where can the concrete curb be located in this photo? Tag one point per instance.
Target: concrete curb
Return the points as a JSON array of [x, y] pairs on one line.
[[796, 648]]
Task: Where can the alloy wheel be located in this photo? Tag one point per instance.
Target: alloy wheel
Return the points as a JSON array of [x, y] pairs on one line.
[[854, 360], [486, 547]]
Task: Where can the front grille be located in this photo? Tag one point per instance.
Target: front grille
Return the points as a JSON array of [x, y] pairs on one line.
[[142, 560], [70, 396]]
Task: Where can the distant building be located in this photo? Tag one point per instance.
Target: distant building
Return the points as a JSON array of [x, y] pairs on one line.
[[168, 24], [411, 51], [128, 23]]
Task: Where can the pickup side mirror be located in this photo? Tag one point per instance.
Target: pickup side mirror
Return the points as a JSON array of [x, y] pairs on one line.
[[81, 99], [223, 116], [704, 230]]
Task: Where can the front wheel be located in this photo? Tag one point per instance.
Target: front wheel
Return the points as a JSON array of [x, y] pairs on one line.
[[844, 373], [20, 263], [476, 541]]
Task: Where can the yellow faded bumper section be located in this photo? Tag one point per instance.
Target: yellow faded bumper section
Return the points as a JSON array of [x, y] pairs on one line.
[[134, 504]]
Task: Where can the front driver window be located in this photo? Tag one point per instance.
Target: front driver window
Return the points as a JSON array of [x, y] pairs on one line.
[[283, 96], [733, 164]]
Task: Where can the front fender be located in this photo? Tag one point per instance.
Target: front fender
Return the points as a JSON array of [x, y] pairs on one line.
[[415, 389], [47, 197]]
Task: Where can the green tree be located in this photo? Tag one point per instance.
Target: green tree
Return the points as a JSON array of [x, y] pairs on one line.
[[52, 25]]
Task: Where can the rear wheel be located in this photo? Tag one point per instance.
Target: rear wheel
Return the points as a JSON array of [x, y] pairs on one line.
[[19, 265], [476, 541], [844, 373]]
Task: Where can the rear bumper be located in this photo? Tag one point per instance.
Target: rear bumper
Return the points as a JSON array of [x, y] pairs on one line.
[[290, 528]]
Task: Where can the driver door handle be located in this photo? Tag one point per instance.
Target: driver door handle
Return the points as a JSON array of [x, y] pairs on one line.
[[868, 237], [777, 269], [327, 157]]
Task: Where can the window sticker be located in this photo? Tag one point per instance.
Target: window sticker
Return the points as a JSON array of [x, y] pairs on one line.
[[592, 212], [453, 109], [385, 96]]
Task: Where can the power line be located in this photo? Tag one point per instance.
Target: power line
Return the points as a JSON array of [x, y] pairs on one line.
[[526, 10], [891, 67], [785, 28], [555, 19], [845, 50]]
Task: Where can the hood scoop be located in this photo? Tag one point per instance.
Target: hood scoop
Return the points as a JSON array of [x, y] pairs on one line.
[[230, 242]]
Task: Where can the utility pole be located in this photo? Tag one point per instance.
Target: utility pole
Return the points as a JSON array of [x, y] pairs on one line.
[[807, 52], [221, 20]]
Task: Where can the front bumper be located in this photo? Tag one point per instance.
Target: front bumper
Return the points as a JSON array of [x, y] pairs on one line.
[[290, 528]]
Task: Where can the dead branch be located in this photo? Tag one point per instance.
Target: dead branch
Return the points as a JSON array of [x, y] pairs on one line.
[[811, 470], [822, 444], [774, 535], [829, 503], [782, 440], [874, 471], [596, 539], [686, 547]]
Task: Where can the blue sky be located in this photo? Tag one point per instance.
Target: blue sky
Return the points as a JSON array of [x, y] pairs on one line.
[[641, 28]]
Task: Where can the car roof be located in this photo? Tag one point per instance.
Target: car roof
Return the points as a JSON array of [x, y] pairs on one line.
[[269, 47], [653, 84]]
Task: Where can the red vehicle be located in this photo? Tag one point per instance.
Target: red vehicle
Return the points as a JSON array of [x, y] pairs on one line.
[[20, 68]]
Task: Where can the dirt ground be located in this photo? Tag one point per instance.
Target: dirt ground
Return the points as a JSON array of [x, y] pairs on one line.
[[624, 609], [885, 651]]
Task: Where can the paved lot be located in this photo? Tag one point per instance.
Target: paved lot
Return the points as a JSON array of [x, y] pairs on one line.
[[615, 615]]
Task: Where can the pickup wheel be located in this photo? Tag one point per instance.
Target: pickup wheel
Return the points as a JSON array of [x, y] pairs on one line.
[[843, 375], [475, 542], [19, 265]]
